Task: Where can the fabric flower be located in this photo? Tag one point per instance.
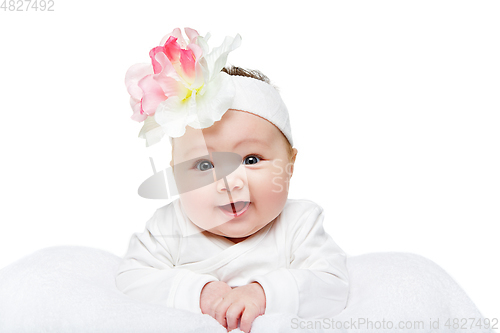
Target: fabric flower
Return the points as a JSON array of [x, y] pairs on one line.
[[183, 85]]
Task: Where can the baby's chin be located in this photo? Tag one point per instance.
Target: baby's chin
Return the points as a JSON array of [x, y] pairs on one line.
[[235, 228], [235, 235]]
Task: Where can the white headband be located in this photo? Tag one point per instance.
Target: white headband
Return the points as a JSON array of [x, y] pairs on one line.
[[262, 99]]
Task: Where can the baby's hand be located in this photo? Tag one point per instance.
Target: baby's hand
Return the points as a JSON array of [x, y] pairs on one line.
[[211, 294], [247, 302]]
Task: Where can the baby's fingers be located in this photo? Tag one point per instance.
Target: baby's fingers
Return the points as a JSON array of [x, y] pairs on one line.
[[233, 314], [220, 311], [251, 312], [213, 308]]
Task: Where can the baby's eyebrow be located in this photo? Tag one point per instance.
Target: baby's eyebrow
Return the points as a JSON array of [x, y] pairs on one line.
[[252, 140], [244, 141]]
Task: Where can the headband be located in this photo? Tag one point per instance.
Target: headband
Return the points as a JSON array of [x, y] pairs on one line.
[[184, 85]]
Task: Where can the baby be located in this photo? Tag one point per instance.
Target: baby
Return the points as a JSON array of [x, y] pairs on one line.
[[232, 245]]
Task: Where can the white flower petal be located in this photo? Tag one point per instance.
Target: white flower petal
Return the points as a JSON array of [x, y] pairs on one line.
[[151, 131], [212, 105], [216, 59], [172, 114], [202, 43], [149, 124], [154, 136]]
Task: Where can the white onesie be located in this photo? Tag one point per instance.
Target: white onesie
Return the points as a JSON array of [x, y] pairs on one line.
[[299, 266]]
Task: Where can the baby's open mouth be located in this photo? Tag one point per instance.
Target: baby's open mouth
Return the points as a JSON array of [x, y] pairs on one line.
[[236, 207]]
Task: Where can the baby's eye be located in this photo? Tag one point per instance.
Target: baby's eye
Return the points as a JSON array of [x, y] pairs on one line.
[[204, 165], [251, 159]]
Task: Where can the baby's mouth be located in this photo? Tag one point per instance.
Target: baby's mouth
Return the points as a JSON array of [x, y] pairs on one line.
[[236, 207]]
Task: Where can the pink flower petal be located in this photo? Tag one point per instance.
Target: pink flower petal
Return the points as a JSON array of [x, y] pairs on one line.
[[172, 49], [192, 34], [180, 39], [135, 91], [137, 116], [167, 67], [153, 94], [197, 51], [134, 74], [169, 85], [176, 33], [187, 64], [199, 77], [152, 54], [136, 107]]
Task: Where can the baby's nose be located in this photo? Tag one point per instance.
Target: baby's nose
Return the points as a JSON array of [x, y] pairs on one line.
[[236, 180]]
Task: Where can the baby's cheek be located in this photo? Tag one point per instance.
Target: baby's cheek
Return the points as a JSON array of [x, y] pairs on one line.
[[197, 204], [279, 179], [270, 180], [270, 191]]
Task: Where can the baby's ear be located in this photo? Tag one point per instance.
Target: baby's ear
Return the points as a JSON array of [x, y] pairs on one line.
[[294, 155], [295, 151]]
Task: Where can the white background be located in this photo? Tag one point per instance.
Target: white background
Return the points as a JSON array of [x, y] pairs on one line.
[[394, 108]]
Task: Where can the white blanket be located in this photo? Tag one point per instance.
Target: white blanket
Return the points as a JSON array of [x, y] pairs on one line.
[[72, 289]]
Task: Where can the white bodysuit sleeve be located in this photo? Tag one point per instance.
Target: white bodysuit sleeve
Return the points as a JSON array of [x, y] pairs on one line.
[[316, 284], [147, 273]]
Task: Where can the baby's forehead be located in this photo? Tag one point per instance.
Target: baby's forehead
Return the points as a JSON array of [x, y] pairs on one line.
[[227, 144], [236, 127]]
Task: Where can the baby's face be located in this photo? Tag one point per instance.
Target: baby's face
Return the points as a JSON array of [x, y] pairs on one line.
[[258, 187]]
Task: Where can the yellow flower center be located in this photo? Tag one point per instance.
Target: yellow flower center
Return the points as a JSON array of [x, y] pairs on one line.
[[190, 92]]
